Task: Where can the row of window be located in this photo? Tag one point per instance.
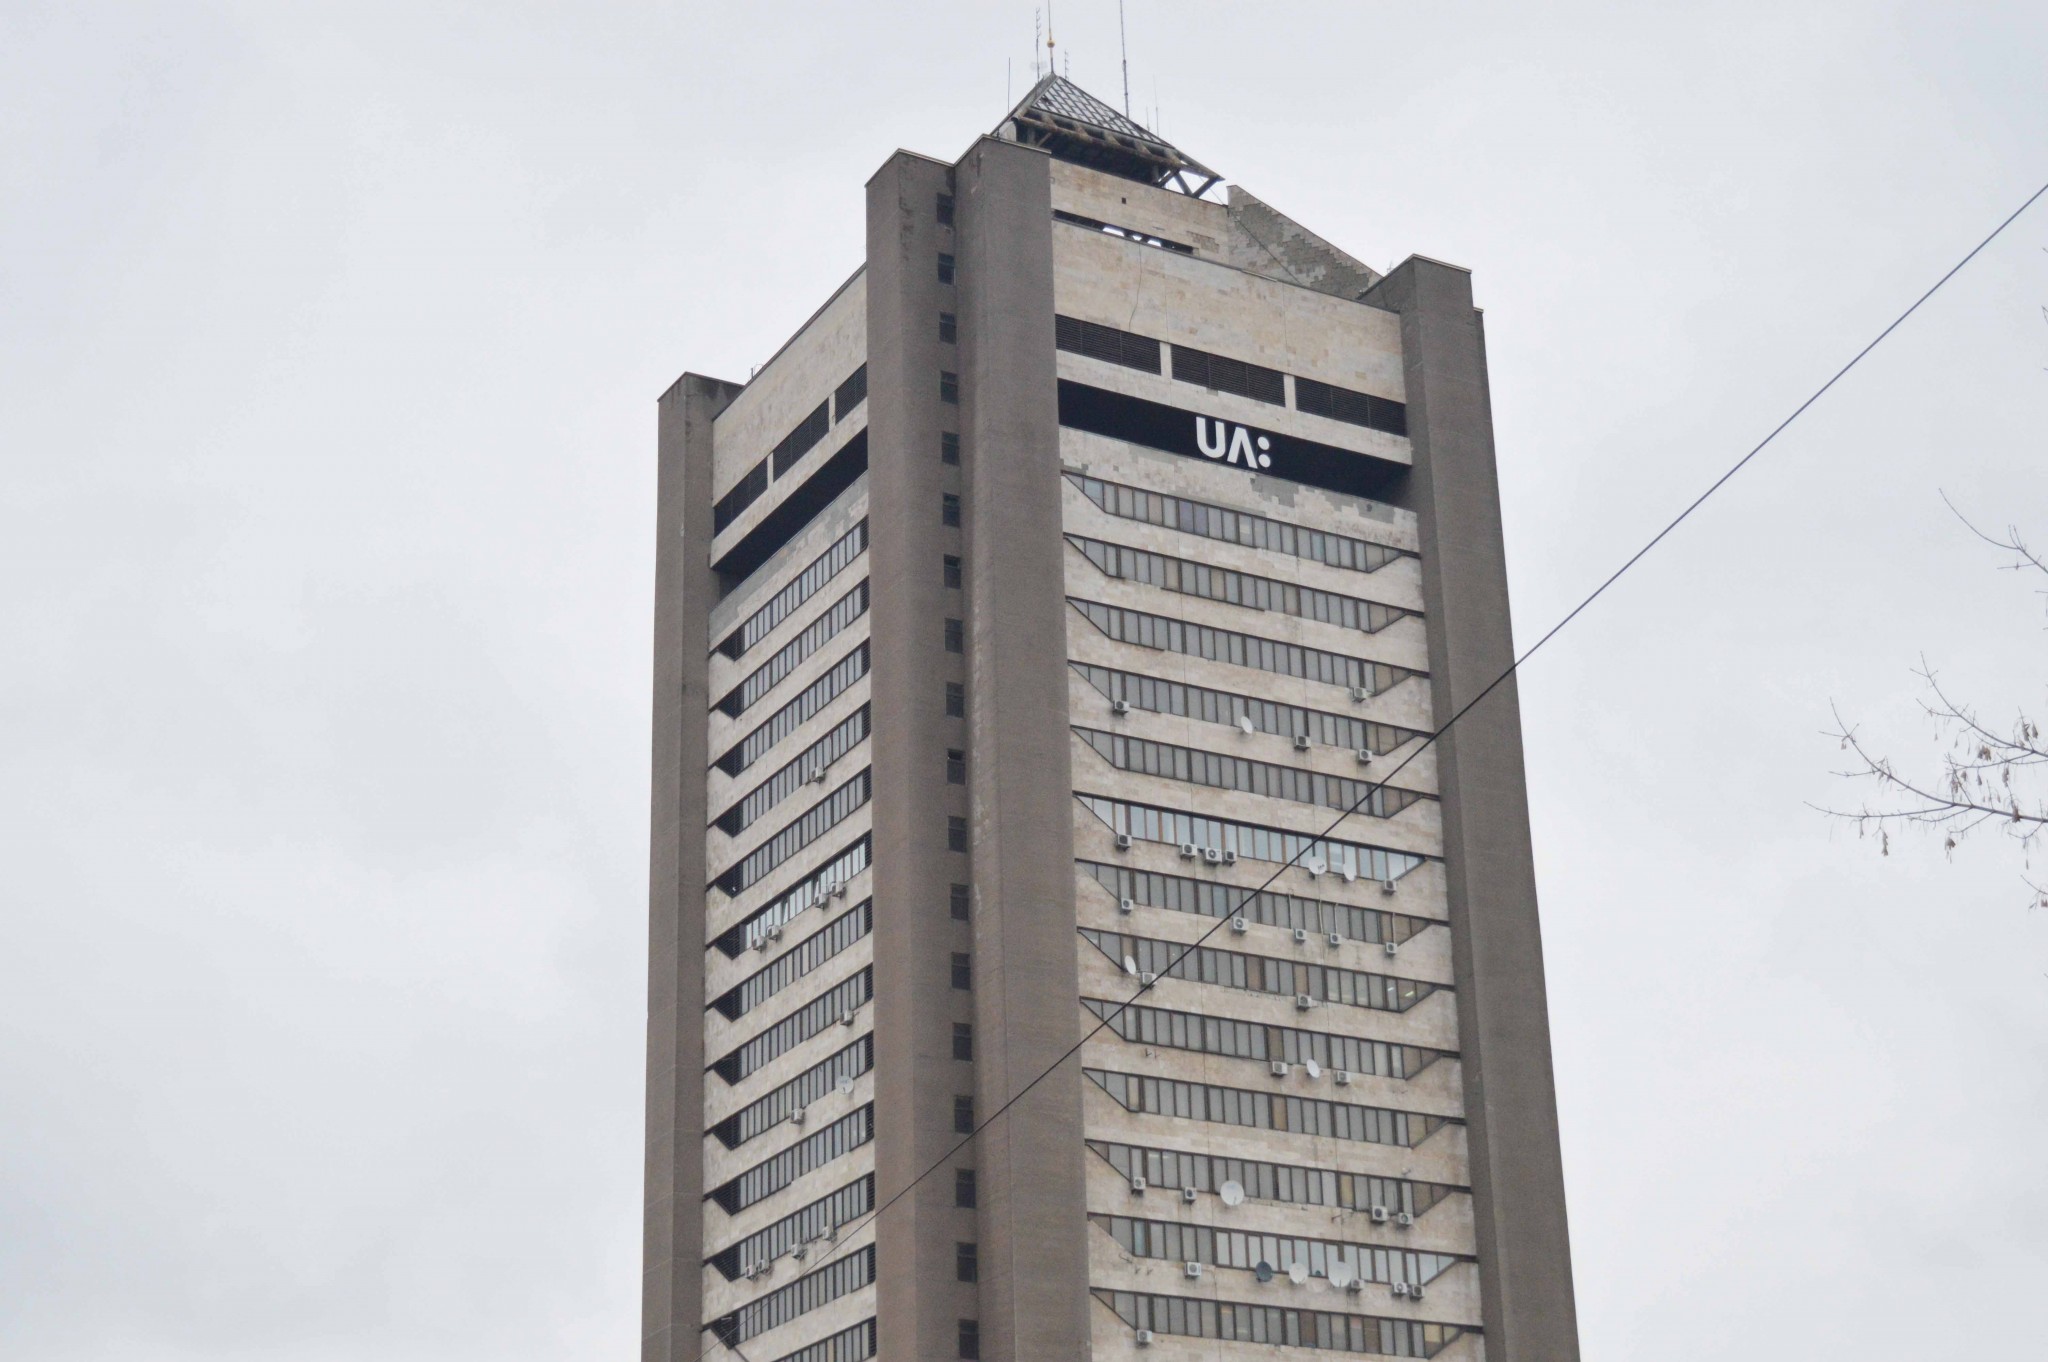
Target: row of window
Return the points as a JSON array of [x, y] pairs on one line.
[[816, 635], [1127, 233], [1159, 696], [850, 394], [1211, 898], [1265, 1110], [848, 1345], [795, 1095], [785, 721], [789, 450], [1237, 588], [1222, 373], [1241, 650], [1235, 527], [816, 1221], [1280, 1325], [1294, 1184], [1177, 1243], [828, 1009], [813, 951], [1192, 766], [813, 823], [749, 931], [795, 592], [807, 768], [840, 1277], [770, 1176], [1150, 823], [1274, 910], [1256, 1040], [1259, 973]]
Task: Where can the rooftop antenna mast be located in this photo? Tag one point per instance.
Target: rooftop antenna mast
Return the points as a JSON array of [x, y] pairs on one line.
[[1037, 27], [1052, 58], [1125, 45]]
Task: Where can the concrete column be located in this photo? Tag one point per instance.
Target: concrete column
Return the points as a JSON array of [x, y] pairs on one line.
[[1503, 1017], [1034, 1249], [685, 588]]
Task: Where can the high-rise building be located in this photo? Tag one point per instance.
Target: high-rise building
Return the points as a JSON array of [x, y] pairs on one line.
[[1028, 618]]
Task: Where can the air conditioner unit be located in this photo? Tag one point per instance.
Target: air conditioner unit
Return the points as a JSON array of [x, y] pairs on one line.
[[1212, 855], [846, 1017], [1137, 1186], [1119, 706], [796, 1118], [1343, 1077], [1147, 978], [1391, 947], [1301, 743], [1301, 936], [757, 1272], [1192, 1271], [1365, 756], [1355, 1285], [1400, 1288], [1239, 925], [1404, 1219], [1361, 693], [1335, 938], [1229, 857], [1278, 1068], [1144, 1337], [1303, 1003], [818, 774], [800, 1252], [831, 1234], [1386, 886], [1123, 841], [1126, 905], [1188, 851], [1188, 1194], [1379, 1215], [838, 889], [761, 942], [775, 932]]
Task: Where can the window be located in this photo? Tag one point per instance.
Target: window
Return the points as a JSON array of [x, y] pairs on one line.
[[966, 1264], [1275, 1323], [963, 970], [945, 210], [1223, 374], [952, 571], [748, 931], [949, 386], [963, 1040], [774, 1108], [1191, 578], [763, 1180], [804, 438], [1236, 527], [785, 721], [1298, 1184], [1241, 650], [1243, 1249], [813, 1017], [807, 828], [956, 700], [1251, 841], [806, 768], [1262, 1110], [949, 447], [1257, 1040], [769, 674], [1196, 767], [807, 1293], [807, 583], [1341, 404], [850, 394], [949, 508], [949, 328], [1106, 343], [945, 268], [963, 1187], [956, 636], [956, 766], [848, 1345], [970, 1338], [958, 903], [963, 1115], [744, 493], [1212, 898], [1262, 973], [956, 834], [842, 1207], [813, 951]]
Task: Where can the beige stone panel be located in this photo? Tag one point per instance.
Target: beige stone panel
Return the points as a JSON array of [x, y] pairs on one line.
[[722, 1100], [721, 852], [724, 1230], [1452, 1299], [806, 1328], [1201, 223], [722, 1037], [810, 364], [723, 912], [721, 1165], [721, 973], [724, 791], [846, 511], [726, 731]]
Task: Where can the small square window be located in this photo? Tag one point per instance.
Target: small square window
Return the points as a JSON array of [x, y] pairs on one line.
[[963, 1187], [963, 1116], [958, 903], [952, 571], [945, 268], [956, 834], [966, 1263], [949, 508], [956, 636], [970, 1338], [963, 1048], [956, 766], [949, 328], [956, 700], [949, 386], [949, 447], [945, 210], [963, 970]]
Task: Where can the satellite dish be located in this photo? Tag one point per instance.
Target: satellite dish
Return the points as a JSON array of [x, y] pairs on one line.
[[1264, 1271], [845, 1085], [1315, 1070], [1130, 967], [1232, 1193], [1349, 874], [1298, 1273], [1342, 1274], [1314, 867], [1244, 722]]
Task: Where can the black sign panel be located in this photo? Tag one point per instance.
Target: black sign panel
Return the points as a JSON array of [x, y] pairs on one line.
[[1201, 436]]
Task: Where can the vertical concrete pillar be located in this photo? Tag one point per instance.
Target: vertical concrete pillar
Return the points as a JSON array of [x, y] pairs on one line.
[[916, 1077], [1034, 1251], [1503, 1016], [685, 588]]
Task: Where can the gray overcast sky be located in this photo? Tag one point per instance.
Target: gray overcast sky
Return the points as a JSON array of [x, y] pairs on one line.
[[329, 343]]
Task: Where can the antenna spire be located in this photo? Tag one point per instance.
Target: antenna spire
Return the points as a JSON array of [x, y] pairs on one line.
[[1052, 61], [1125, 45]]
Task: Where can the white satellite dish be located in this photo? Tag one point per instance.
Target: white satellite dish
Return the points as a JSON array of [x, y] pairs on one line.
[[845, 1085], [1315, 1070], [1298, 1273], [1130, 967], [1244, 722], [1342, 1274], [1232, 1193], [1314, 867], [1349, 874]]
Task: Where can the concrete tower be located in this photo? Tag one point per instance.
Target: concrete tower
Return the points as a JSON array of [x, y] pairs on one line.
[[1048, 593]]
